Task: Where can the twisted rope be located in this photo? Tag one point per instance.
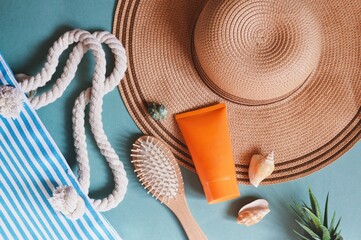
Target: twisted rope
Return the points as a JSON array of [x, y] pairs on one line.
[[101, 85]]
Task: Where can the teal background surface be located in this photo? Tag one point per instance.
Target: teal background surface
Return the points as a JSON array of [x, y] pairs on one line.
[[28, 29]]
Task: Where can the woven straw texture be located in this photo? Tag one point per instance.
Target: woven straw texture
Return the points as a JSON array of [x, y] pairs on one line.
[[289, 72]]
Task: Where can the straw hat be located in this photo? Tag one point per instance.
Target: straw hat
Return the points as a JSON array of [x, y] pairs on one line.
[[289, 72]]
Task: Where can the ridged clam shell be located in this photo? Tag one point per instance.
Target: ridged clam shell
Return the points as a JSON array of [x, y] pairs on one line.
[[260, 168], [253, 212]]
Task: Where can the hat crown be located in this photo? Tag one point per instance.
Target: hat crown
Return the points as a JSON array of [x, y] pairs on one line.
[[256, 52]]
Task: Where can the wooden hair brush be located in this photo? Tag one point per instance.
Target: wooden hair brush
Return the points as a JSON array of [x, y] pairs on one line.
[[159, 173]]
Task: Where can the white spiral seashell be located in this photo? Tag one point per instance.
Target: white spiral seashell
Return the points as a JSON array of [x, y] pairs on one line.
[[253, 212], [260, 168]]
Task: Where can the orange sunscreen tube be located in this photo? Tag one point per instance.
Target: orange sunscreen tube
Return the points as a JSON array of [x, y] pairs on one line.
[[206, 134]]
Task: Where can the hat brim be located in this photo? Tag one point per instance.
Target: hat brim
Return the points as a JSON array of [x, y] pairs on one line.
[[307, 130]]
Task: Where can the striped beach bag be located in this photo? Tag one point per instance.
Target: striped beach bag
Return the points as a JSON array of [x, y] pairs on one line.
[[32, 170]]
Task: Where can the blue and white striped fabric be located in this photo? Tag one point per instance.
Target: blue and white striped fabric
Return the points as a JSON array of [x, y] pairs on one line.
[[31, 167]]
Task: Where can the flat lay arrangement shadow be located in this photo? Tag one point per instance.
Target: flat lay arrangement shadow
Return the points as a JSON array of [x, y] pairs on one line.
[[137, 119]]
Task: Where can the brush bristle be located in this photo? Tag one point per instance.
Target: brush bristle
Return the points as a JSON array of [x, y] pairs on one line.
[[154, 168]]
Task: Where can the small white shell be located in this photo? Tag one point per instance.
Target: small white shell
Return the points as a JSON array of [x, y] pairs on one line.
[[253, 212], [10, 101], [260, 168]]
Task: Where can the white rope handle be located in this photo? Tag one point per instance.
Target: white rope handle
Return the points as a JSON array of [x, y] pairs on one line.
[[93, 95]]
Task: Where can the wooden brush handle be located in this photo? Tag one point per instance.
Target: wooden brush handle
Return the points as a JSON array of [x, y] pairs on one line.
[[190, 226]]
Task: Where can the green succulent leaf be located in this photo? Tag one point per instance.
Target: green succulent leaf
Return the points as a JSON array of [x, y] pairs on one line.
[[325, 217], [315, 220], [304, 205], [300, 236], [309, 231], [325, 233], [337, 225], [331, 228], [300, 213], [314, 204]]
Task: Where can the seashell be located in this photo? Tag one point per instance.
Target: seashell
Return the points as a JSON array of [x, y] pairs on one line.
[[157, 111], [260, 168], [11, 101], [253, 212]]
